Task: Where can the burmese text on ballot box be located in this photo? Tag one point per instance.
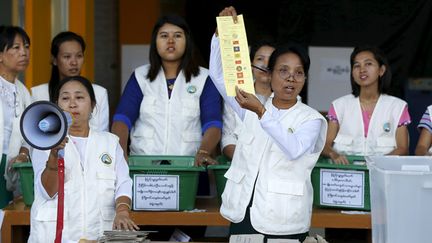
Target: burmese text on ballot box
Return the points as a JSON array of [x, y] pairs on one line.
[[164, 183], [401, 198], [341, 186]]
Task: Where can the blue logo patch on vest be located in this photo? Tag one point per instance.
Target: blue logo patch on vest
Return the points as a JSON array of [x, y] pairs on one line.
[[386, 127], [106, 159], [191, 89]]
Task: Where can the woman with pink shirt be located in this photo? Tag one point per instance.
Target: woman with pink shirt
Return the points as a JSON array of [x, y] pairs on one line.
[[368, 121]]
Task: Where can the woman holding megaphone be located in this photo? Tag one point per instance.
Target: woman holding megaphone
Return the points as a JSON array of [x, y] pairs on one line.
[[14, 59], [97, 186]]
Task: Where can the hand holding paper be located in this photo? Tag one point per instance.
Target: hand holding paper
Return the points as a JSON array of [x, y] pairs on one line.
[[234, 52], [248, 101]]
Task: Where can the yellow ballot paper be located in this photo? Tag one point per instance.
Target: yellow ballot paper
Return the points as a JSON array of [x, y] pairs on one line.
[[235, 54]]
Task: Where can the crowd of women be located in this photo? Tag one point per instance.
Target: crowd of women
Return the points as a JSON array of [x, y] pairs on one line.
[[173, 106]]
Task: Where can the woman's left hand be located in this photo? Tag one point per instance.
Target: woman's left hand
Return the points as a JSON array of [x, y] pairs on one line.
[[122, 221], [248, 101], [204, 159], [20, 158]]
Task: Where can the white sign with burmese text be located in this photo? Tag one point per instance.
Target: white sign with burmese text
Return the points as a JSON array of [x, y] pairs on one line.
[[156, 192], [342, 188], [329, 75]]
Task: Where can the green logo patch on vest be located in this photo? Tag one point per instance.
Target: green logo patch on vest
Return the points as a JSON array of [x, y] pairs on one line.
[[191, 89], [106, 158]]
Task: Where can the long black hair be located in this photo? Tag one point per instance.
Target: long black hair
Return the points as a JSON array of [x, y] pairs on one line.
[[266, 41], [59, 39], [189, 63], [383, 81], [8, 34]]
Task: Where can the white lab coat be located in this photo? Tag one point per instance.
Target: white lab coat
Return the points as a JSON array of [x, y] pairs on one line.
[[381, 137], [16, 140], [281, 188], [89, 189], [100, 116], [168, 125], [232, 125]]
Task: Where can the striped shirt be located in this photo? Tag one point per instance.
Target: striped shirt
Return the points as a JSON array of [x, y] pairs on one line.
[[425, 122]]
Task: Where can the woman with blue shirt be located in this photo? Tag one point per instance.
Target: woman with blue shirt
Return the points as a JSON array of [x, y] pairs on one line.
[[170, 106]]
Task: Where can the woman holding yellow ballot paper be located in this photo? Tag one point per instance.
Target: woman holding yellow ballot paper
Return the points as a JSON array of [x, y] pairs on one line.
[[259, 54], [268, 187]]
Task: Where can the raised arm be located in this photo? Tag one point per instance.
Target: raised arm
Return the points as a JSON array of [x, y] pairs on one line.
[[215, 66]]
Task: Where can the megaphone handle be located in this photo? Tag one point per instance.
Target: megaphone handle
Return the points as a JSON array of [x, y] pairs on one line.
[[60, 153], [60, 202]]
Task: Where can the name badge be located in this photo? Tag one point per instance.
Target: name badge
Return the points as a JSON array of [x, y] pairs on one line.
[[191, 89]]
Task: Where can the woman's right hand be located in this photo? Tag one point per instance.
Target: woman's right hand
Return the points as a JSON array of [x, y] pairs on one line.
[[249, 101], [339, 158], [203, 158], [53, 156], [122, 221], [229, 11]]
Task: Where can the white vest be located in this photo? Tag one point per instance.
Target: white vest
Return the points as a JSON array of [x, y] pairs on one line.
[[89, 193], [282, 189], [381, 137], [168, 126], [16, 140], [100, 116], [232, 125]]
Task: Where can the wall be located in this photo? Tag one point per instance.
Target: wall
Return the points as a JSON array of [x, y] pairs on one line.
[[106, 49], [6, 13]]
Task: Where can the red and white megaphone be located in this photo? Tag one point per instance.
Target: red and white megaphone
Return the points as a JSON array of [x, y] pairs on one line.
[[43, 126]]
